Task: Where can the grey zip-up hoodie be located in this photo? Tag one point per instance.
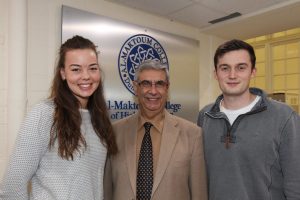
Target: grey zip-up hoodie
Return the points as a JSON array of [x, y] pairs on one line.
[[258, 157]]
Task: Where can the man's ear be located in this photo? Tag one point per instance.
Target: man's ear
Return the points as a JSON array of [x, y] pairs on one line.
[[215, 74], [135, 87], [253, 72]]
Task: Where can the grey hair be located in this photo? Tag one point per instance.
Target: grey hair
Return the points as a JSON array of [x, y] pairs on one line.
[[151, 64]]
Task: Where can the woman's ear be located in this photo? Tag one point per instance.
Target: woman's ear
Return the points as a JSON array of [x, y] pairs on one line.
[[62, 74]]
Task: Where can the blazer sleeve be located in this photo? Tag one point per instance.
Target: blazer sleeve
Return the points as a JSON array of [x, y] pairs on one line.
[[197, 177]]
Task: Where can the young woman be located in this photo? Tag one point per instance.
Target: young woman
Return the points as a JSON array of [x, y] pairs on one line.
[[62, 144]]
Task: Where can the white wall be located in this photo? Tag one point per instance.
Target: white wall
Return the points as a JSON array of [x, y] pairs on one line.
[[3, 84], [44, 39], [208, 86]]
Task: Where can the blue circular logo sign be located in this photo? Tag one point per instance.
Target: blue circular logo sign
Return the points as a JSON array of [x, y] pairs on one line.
[[136, 50]]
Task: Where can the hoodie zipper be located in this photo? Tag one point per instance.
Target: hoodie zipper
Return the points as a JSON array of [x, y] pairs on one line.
[[229, 138]]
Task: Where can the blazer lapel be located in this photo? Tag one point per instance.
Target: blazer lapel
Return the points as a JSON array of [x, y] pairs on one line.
[[168, 142], [130, 148]]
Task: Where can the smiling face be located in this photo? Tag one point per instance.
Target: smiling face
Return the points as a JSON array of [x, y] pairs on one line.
[[234, 72], [82, 73], [152, 99]]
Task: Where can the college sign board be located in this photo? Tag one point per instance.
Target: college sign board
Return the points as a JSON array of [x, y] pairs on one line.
[[123, 47]]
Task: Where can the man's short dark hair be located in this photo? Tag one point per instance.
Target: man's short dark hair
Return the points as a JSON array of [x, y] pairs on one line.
[[233, 45]]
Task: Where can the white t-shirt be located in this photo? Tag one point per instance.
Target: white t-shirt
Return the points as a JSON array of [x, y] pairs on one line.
[[233, 114]]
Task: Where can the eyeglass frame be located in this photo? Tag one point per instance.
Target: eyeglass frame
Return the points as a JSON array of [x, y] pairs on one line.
[[148, 84]]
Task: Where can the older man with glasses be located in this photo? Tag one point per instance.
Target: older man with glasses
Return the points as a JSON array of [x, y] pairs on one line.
[[160, 155]]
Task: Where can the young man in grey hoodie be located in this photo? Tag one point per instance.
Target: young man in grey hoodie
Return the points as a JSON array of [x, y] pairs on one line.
[[251, 143]]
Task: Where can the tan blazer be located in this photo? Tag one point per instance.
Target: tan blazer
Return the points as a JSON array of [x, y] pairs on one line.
[[180, 172]]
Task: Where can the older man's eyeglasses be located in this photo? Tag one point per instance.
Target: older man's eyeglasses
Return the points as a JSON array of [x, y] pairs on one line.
[[148, 84]]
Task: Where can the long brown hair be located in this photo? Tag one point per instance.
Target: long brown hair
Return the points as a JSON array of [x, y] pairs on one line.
[[67, 119]]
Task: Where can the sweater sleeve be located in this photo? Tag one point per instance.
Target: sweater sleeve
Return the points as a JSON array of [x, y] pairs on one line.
[[289, 157], [31, 144]]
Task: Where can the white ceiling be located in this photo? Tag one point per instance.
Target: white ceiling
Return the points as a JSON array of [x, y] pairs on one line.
[[259, 17]]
